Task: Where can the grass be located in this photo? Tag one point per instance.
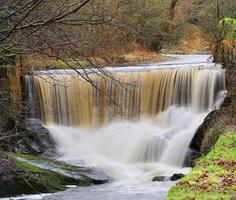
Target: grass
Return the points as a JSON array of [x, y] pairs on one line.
[[213, 177]]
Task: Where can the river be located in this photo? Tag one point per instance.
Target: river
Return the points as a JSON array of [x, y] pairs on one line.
[[147, 136]]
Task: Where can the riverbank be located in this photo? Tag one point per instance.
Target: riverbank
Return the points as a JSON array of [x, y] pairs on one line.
[[134, 57], [213, 175], [28, 164], [28, 174]]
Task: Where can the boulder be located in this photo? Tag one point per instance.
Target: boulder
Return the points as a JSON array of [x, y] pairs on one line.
[[28, 174], [41, 142], [161, 178], [176, 177], [33, 139]]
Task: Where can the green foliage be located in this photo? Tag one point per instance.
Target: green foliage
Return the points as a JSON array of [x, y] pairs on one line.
[[214, 174], [212, 11], [227, 28], [225, 51]]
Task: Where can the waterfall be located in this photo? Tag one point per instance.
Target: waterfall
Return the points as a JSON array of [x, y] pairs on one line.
[[69, 100], [128, 119]]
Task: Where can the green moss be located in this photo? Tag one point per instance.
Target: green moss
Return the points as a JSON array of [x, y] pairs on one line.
[[29, 179], [227, 28], [29, 168], [26, 156], [225, 51], [59, 164], [45, 180], [214, 176]]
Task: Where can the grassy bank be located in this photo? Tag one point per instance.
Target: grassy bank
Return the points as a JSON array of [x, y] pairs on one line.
[[214, 176]]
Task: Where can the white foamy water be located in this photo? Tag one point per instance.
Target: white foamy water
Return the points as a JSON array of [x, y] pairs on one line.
[[130, 143], [132, 153]]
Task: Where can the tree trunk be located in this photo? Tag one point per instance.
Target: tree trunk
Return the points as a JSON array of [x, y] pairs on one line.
[[172, 8]]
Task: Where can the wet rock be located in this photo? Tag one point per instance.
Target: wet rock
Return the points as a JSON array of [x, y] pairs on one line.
[[97, 175], [41, 142], [86, 175], [33, 139], [200, 133], [28, 174], [191, 156], [13, 179], [161, 178], [198, 146], [176, 177]]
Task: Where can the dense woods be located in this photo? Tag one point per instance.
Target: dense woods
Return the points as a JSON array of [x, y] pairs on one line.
[[86, 29], [83, 29]]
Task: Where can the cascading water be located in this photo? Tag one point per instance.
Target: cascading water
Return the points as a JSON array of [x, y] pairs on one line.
[[134, 125], [67, 99]]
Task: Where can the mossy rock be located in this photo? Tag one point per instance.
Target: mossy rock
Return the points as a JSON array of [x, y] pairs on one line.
[[22, 175]]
